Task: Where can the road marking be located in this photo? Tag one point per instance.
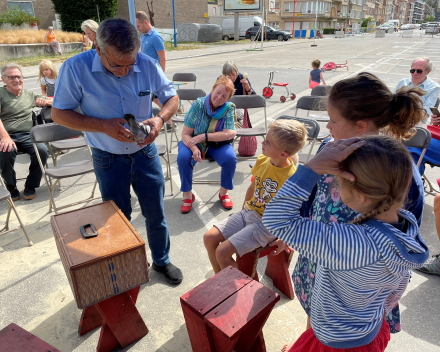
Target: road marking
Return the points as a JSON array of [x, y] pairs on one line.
[[199, 207]]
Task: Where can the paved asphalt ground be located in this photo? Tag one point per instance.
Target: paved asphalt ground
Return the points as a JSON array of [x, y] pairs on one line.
[[34, 291]]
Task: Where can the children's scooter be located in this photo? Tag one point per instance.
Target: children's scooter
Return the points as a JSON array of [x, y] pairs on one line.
[[268, 91]]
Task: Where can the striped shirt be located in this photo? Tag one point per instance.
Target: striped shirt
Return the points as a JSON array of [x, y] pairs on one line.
[[197, 118], [361, 268]]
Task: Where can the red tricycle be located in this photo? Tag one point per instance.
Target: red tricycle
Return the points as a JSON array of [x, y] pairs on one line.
[[332, 66], [268, 91]]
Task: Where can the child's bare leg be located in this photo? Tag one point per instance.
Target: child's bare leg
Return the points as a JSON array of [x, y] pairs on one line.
[[309, 324], [224, 254], [212, 239]]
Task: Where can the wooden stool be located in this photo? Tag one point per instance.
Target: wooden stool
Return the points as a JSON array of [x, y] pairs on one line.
[[120, 320], [16, 339], [277, 267], [227, 312]]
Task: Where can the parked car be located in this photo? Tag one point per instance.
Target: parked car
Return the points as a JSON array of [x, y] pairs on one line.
[[385, 26], [431, 29], [423, 26], [270, 33], [406, 26]]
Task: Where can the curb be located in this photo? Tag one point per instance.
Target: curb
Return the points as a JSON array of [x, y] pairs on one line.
[[207, 54]]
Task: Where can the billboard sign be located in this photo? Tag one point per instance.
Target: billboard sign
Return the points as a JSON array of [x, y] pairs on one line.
[[242, 5]]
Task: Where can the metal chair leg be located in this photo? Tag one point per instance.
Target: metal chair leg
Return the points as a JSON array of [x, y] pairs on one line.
[[11, 205]]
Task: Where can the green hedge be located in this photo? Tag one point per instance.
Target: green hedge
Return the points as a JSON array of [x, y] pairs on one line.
[[72, 13], [328, 31], [17, 17]]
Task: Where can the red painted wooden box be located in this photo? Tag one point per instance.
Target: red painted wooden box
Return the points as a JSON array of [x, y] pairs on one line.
[[16, 339], [228, 311]]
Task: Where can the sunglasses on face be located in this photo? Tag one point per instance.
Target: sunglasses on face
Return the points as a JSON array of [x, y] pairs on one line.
[[414, 70]]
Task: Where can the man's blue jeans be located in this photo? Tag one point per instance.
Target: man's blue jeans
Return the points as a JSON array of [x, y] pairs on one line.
[[143, 171]]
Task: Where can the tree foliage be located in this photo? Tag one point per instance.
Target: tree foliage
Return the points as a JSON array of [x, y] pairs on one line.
[[73, 12], [366, 21]]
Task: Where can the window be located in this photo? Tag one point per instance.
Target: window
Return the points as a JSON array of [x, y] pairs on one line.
[[277, 5], [214, 10], [298, 6], [344, 10], [327, 7], [352, 13], [288, 7], [24, 5]]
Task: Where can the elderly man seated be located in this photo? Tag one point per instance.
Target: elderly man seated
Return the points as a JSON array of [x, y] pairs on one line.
[[16, 106]]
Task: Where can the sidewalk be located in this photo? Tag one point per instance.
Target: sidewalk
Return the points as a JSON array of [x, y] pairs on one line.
[[211, 49]]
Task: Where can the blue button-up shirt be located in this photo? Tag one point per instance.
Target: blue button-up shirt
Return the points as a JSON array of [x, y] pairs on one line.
[[83, 82], [431, 88]]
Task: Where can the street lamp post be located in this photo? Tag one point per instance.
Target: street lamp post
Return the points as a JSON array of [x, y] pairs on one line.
[[316, 23], [174, 25], [293, 21]]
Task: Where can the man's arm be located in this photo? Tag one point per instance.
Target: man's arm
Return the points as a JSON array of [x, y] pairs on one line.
[[76, 121], [162, 59], [430, 100], [6, 143], [169, 108]]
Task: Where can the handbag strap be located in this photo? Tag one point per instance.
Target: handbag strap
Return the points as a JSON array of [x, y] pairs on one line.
[[246, 121]]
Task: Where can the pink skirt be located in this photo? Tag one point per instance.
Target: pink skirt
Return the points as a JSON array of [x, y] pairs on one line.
[[313, 84], [308, 342]]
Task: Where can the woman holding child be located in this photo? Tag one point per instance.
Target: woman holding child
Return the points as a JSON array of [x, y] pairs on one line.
[[359, 106], [209, 129]]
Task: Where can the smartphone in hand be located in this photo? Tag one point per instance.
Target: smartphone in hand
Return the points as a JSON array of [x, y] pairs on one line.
[[435, 111]]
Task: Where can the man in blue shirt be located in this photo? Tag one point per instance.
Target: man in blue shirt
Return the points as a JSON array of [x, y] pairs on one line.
[[106, 84], [151, 41], [420, 68]]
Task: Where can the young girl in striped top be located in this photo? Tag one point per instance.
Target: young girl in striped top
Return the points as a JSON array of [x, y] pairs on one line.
[[363, 267]]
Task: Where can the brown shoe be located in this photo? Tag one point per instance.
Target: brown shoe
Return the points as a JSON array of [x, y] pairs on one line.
[[29, 194]]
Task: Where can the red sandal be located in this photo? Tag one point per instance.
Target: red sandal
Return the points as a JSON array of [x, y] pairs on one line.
[[226, 201], [187, 205]]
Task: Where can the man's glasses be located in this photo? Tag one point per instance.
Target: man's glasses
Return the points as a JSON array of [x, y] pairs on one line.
[[115, 67], [414, 70], [14, 77]]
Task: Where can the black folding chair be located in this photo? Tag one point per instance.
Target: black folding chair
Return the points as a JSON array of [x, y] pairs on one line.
[[421, 140], [184, 94], [52, 132], [6, 196], [250, 102], [321, 90], [313, 103]]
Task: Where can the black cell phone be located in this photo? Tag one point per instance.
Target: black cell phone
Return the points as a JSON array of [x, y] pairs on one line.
[[434, 111]]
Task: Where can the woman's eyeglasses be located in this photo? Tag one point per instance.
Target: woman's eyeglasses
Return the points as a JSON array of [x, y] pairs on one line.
[[414, 70]]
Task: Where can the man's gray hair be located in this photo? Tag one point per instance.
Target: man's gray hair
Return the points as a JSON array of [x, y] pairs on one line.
[[229, 67], [90, 24], [427, 60], [120, 34], [8, 66]]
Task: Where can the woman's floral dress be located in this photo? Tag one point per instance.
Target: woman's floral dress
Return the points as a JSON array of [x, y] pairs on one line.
[[327, 207]]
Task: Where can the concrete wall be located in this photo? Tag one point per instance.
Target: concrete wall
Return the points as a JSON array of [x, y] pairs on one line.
[[22, 50]]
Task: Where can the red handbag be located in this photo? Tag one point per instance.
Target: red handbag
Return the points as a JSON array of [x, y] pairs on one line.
[[247, 146], [435, 131]]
